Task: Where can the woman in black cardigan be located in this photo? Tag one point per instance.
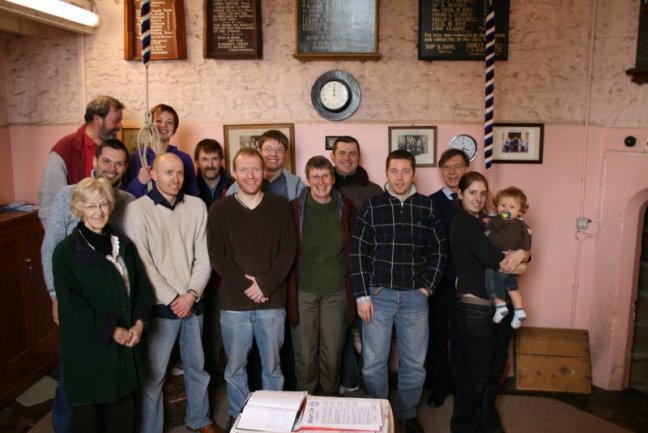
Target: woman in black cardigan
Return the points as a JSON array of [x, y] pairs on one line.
[[482, 346]]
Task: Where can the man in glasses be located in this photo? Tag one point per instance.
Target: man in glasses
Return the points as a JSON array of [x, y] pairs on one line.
[[453, 163]]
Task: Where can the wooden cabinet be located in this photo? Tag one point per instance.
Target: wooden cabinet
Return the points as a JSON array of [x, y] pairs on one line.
[[28, 336]]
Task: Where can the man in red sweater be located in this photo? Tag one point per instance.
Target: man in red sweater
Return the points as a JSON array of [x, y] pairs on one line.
[[70, 160]]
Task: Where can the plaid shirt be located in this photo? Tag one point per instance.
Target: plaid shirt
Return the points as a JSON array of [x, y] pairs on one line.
[[398, 245]]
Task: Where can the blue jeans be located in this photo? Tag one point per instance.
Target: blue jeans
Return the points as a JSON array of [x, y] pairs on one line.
[[498, 283], [61, 411], [481, 353], [408, 311], [239, 329], [158, 345]]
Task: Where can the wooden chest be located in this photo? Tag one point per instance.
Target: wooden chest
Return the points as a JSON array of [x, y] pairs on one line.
[[556, 360]]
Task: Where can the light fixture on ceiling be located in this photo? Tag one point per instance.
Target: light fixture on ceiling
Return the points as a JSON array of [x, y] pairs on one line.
[[54, 12]]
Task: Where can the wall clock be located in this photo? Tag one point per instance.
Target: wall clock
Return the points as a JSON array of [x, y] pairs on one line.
[[466, 143], [336, 95]]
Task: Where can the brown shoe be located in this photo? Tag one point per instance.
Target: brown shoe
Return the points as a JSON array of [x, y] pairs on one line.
[[211, 428]]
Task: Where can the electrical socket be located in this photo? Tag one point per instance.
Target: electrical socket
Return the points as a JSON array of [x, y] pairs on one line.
[[582, 223]]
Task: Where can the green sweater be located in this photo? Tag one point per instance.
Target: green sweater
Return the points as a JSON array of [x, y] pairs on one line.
[[321, 264], [93, 300]]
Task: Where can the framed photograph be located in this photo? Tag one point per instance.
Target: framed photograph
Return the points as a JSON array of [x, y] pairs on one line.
[[518, 143], [129, 137], [330, 141], [420, 141], [238, 136]]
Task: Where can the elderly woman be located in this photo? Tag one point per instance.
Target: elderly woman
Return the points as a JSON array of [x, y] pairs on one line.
[[481, 345], [320, 298], [104, 298]]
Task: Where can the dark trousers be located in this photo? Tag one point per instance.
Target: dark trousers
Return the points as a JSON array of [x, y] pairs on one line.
[[482, 351], [114, 417], [442, 317], [61, 411]]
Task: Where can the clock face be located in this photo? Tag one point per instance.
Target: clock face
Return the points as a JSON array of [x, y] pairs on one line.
[[466, 143], [336, 95]]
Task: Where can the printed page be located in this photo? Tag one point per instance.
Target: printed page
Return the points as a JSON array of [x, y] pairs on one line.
[[342, 414]]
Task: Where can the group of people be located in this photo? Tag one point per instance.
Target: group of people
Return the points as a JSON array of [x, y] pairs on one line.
[[140, 253]]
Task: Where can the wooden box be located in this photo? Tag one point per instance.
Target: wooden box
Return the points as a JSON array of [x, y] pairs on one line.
[[556, 360]]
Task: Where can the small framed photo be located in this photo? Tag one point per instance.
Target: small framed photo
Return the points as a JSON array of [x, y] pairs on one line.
[[329, 142], [420, 141], [518, 143], [238, 136], [128, 136]]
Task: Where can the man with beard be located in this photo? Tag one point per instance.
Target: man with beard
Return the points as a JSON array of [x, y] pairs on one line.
[[212, 181], [212, 178], [109, 162], [70, 160]]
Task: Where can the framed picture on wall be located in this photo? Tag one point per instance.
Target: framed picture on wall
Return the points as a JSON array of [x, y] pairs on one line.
[[420, 141], [518, 143], [238, 136], [129, 137], [329, 141]]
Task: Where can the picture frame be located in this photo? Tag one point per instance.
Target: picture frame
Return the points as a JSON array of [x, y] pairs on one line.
[[519, 143], [420, 141], [329, 141], [238, 136], [128, 136]]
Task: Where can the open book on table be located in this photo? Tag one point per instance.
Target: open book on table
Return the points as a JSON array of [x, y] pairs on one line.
[[271, 411]]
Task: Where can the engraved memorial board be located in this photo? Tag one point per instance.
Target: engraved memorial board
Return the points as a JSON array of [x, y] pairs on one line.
[[454, 29], [168, 39], [233, 29], [337, 29]]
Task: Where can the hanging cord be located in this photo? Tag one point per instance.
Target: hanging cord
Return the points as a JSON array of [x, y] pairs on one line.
[[149, 133], [489, 97]]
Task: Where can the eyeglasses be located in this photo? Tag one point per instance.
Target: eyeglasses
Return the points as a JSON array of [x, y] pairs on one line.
[[270, 149], [318, 177], [93, 207], [455, 167]]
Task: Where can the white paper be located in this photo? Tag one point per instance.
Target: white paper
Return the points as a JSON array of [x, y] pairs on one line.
[[271, 411], [342, 414]]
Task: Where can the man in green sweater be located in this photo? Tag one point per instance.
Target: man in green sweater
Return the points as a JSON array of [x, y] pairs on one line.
[[252, 245]]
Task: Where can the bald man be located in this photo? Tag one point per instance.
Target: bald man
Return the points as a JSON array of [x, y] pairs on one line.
[[169, 230]]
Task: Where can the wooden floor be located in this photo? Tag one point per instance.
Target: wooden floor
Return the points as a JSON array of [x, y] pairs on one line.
[[628, 409]]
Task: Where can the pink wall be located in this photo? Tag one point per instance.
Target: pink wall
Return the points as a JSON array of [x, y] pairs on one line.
[[577, 279], [7, 193]]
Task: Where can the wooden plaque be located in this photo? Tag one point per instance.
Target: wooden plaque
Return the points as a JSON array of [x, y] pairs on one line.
[[233, 29], [337, 29], [168, 38], [454, 29], [639, 73]]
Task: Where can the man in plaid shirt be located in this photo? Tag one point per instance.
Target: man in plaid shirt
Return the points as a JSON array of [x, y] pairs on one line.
[[398, 254]]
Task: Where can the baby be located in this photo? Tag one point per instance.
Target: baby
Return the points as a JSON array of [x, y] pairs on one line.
[[507, 231]]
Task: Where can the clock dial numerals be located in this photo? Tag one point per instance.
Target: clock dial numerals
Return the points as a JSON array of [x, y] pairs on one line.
[[466, 143], [334, 95]]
